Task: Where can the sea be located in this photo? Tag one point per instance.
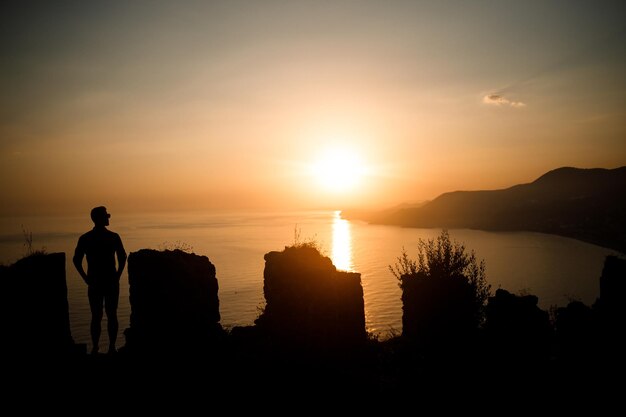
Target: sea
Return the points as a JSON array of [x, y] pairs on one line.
[[554, 268]]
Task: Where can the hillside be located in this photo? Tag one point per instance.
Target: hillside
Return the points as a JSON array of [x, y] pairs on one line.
[[586, 204]]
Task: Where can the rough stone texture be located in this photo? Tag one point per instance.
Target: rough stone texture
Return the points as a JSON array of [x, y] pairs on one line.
[[309, 303], [610, 307], [174, 301], [517, 327], [35, 312], [575, 331], [613, 283]]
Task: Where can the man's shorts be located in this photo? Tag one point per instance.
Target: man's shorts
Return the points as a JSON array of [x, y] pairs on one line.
[[104, 295]]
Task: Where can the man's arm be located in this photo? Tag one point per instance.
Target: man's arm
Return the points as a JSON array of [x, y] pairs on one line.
[[121, 257], [79, 254]]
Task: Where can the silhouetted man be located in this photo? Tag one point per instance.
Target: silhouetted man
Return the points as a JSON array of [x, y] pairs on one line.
[[103, 278]]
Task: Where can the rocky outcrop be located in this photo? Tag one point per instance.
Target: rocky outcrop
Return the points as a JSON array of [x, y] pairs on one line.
[[575, 331], [309, 303], [610, 308], [174, 301], [34, 315], [613, 285], [516, 327]]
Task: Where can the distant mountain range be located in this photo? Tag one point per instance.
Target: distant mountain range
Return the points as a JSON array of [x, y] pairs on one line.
[[586, 204]]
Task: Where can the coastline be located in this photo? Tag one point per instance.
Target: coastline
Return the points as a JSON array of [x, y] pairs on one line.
[[374, 218]]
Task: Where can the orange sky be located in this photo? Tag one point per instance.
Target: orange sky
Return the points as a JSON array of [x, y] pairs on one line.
[[151, 105]]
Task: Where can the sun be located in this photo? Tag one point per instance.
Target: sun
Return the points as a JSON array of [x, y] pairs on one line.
[[338, 170]]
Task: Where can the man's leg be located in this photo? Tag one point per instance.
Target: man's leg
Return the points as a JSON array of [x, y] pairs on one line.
[[95, 304], [110, 306]]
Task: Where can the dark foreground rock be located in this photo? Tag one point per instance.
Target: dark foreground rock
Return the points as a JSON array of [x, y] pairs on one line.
[[174, 301], [610, 308], [517, 329], [34, 315], [310, 304]]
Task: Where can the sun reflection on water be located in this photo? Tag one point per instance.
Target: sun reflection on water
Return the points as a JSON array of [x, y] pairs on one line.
[[342, 243]]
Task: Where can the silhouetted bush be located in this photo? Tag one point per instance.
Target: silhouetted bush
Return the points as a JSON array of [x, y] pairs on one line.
[[309, 304], [443, 292]]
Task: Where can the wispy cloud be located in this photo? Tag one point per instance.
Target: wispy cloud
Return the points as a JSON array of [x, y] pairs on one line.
[[597, 118], [499, 100]]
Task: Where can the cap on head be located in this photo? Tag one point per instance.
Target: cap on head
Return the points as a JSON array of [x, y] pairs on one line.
[[99, 215]]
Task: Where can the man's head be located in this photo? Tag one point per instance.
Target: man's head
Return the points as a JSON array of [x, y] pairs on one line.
[[100, 216]]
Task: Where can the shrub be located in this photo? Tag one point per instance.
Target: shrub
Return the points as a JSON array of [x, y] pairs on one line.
[[444, 291]]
